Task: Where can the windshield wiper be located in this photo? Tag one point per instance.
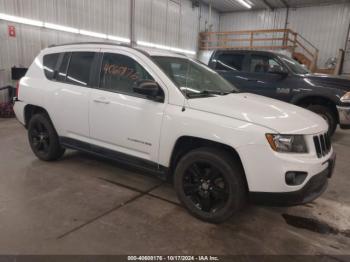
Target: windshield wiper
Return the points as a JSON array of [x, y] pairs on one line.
[[199, 94], [222, 93], [217, 92], [209, 93]]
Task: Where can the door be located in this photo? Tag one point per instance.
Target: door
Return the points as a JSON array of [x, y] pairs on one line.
[[70, 100], [231, 65], [120, 119], [267, 76]]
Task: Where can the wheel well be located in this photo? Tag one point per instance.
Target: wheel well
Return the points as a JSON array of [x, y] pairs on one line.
[[186, 144], [318, 100], [30, 111]]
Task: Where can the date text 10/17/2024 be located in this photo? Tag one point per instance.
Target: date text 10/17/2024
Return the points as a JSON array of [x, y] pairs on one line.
[[173, 258]]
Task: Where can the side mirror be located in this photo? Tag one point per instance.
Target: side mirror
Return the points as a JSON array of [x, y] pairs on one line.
[[212, 64], [279, 70], [150, 89]]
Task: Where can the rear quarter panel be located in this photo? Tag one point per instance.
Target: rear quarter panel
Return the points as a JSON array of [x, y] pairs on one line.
[[33, 87]]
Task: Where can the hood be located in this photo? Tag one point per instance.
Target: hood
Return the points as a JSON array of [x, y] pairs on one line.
[[328, 81], [270, 113]]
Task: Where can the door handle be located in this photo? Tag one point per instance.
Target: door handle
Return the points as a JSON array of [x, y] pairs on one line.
[[101, 100]]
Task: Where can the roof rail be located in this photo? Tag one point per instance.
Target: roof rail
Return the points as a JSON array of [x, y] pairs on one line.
[[90, 43], [108, 43]]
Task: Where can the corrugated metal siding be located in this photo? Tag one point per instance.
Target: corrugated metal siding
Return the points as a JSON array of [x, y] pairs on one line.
[[346, 66], [102, 16], [173, 23], [3, 93], [253, 20], [235, 6], [157, 21], [204, 19], [107, 16], [189, 26], [167, 22], [324, 26]]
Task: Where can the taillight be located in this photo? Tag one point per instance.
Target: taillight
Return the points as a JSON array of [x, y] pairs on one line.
[[17, 89]]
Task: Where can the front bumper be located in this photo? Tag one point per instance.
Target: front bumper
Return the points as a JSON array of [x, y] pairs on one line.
[[309, 192], [344, 116]]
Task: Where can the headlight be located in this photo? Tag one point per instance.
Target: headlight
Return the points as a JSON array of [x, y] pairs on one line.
[[287, 143], [345, 98]]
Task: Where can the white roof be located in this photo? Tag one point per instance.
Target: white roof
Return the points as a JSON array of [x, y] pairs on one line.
[[160, 52], [148, 50]]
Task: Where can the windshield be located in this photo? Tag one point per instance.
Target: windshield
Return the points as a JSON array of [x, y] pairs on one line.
[[294, 65], [193, 78]]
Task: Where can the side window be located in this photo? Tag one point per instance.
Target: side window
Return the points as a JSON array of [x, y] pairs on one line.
[[79, 68], [120, 73], [62, 71], [262, 64], [50, 62], [230, 62]]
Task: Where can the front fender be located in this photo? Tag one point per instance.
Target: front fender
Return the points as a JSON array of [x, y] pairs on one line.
[[220, 129], [297, 98]]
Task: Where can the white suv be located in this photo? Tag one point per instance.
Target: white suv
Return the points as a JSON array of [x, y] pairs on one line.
[[167, 113]]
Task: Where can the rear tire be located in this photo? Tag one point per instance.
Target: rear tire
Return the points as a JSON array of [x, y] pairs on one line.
[[327, 114], [210, 184], [43, 138]]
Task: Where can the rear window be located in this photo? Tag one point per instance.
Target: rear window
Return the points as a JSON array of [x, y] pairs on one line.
[[50, 62], [79, 68]]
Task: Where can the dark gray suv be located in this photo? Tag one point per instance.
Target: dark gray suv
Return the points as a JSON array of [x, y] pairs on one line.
[[279, 76]]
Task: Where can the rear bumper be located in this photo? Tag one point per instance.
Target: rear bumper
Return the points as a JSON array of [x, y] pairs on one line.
[[311, 190], [19, 111], [344, 117]]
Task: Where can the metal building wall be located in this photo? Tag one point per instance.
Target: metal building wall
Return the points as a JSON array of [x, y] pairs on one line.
[[105, 16], [205, 21], [167, 22], [325, 26], [251, 20], [346, 65], [172, 22]]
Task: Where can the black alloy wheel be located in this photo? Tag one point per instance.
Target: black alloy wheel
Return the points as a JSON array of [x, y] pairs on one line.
[[43, 138], [205, 185], [39, 137], [210, 184]]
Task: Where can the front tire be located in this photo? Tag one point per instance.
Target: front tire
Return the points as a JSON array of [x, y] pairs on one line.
[[209, 182], [43, 138], [327, 114]]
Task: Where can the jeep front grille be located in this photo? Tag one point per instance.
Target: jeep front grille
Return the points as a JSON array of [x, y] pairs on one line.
[[322, 144]]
